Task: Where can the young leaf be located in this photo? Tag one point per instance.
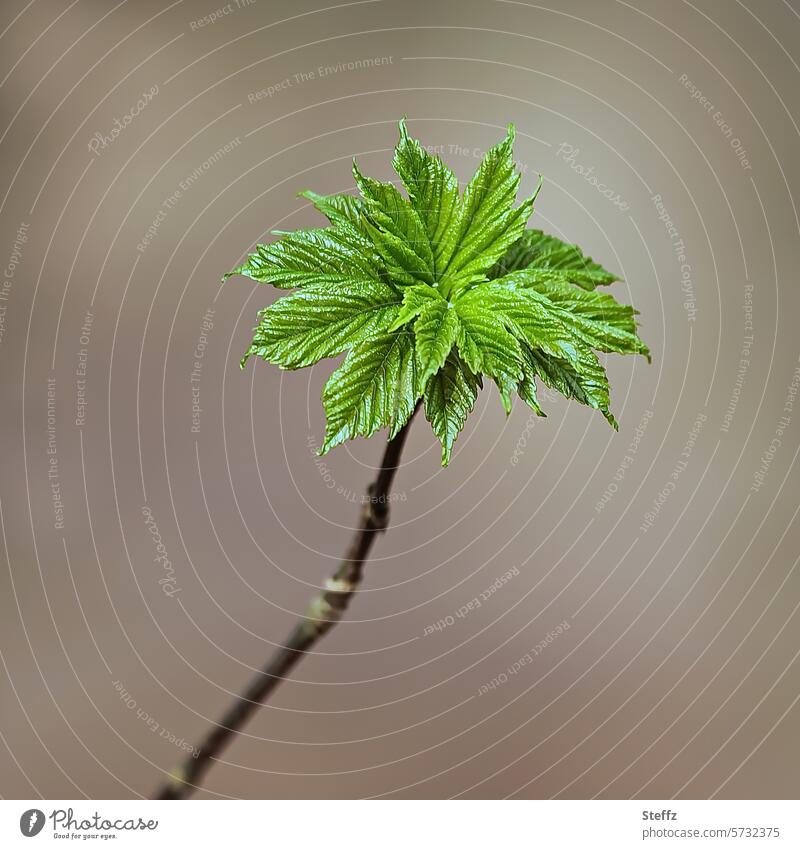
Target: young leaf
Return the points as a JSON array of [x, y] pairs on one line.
[[433, 190], [327, 256], [340, 210], [397, 230], [527, 386], [486, 345], [435, 330], [375, 387], [588, 384], [414, 299], [317, 322], [552, 259], [487, 223], [429, 294], [449, 398], [595, 318], [529, 316]]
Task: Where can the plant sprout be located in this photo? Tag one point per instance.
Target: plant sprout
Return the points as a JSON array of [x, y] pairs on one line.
[[428, 296]]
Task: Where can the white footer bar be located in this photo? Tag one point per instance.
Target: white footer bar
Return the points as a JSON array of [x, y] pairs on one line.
[[378, 824]]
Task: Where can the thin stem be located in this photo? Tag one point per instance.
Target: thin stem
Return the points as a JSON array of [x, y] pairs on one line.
[[324, 611]]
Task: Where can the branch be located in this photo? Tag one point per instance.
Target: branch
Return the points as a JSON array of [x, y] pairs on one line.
[[324, 611]]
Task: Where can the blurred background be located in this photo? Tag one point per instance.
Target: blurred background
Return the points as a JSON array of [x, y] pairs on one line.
[[165, 517]]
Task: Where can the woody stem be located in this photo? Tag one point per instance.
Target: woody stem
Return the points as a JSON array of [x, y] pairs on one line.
[[324, 611]]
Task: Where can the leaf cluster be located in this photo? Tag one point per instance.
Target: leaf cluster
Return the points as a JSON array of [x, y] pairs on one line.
[[432, 292]]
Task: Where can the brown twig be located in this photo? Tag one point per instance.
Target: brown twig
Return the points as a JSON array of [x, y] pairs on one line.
[[322, 614]]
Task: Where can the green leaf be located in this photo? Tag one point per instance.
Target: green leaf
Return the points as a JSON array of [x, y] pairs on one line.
[[414, 299], [340, 210], [377, 386], [593, 317], [449, 398], [317, 322], [599, 319], [397, 231], [554, 350], [487, 223], [428, 294], [486, 345], [586, 383], [433, 190], [435, 331], [529, 316], [552, 259], [312, 257], [527, 386]]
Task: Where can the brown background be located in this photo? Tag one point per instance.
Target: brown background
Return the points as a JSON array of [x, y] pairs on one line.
[[678, 675]]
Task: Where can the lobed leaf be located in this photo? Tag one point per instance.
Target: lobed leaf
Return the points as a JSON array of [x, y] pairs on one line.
[[377, 386], [341, 210], [552, 259], [318, 322], [487, 346], [487, 223], [312, 257], [435, 331], [599, 319], [433, 190], [529, 316], [450, 396], [414, 299], [425, 295], [587, 384], [554, 351], [397, 231], [594, 317]]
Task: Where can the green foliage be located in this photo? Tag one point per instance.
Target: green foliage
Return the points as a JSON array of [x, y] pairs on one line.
[[428, 293], [377, 386]]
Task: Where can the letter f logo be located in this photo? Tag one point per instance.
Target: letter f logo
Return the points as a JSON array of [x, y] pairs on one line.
[[31, 822]]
